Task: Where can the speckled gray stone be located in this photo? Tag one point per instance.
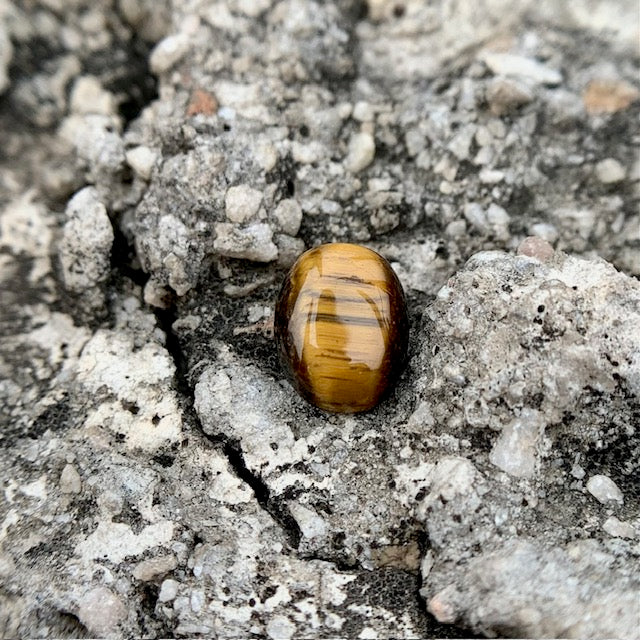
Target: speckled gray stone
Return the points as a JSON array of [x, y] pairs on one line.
[[544, 414], [163, 164], [85, 247]]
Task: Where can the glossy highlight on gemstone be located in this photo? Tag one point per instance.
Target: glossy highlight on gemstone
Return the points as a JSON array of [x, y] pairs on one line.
[[341, 327]]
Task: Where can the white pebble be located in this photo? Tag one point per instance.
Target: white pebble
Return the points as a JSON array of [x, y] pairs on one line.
[[475, 216], [445, 188], [227, 113], [242, 202], [604, 489], [266, 156], [100, 611], [610, 171], [257, 312], [197, 600], [7, 566], [423, 160], [289, 216], [578, 472], [456, 229], [153, 568], [447, 168], [509, 64], [168, 591], [88, 96], [497, 128], [345, 109], [86, 242], [515, 449], [142, 160], [497, 215], [156, 294], [308, 153], [491, 176], [415, 141], [363, 112], [379, 184], [254, 242], [168, 52], [70, 481], [484, 156], [618, 529], [483, 136], [461, 143], [362, 150], [280, 628]]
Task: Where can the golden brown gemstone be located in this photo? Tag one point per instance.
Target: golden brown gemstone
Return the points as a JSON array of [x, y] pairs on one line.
[[341, 327]]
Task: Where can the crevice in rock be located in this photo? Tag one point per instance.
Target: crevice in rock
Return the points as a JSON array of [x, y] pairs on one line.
[[123, 259], [135, 82], [158, 627], [231, 449], [67, 625], [343, 565], [275, 508]]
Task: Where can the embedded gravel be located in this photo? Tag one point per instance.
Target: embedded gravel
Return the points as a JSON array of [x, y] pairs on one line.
[[163, 163]]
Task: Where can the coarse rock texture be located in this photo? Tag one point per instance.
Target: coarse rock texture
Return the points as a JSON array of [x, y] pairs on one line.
[[85, 249], [567, 428], [163, 164]]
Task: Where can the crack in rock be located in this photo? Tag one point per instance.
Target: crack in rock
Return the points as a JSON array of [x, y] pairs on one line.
[[231, 449]]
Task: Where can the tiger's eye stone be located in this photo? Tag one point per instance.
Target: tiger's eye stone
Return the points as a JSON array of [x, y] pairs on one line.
[[341, 327]]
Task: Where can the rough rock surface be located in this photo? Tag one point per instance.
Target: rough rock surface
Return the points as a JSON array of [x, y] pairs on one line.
[[85, 249], [163, 163]]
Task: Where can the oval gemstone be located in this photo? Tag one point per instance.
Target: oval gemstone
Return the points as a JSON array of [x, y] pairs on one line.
[[341, 327]]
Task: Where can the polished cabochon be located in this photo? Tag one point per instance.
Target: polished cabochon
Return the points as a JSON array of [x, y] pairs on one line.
[[341, 327]]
